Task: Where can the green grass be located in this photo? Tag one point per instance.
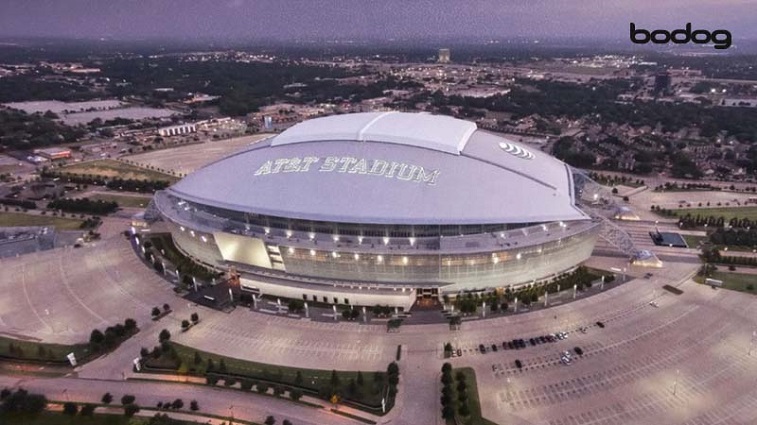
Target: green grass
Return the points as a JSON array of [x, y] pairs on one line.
[[16, 219], [50, 352], [114, 169], [733, 281], [727, 212], [123, 201], [693, 241], [474, 402], [313, 379]]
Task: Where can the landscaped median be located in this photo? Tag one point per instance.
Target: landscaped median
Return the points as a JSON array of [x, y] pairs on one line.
[[459, 398], [56, 354], [359, 390]]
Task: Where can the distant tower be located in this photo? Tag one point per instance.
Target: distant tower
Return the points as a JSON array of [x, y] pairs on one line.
[[443, 56], [662, 82]]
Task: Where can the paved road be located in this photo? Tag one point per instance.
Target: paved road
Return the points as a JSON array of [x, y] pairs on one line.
[[216, 401]]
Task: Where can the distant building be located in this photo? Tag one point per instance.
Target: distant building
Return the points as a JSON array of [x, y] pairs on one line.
[[662, 82], [443, 56], [176, 130], [53, 153]]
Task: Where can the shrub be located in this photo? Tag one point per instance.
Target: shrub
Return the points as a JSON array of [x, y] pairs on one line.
[[70, 408], [193, 406], [130, 410], [87, 410], [107, 398], [127, 399], [164, 335]]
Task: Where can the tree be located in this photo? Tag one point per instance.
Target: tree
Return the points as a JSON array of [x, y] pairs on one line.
[[96, 337], [177, 404], [298, 378], [195, 318], [270, 420], [448, 412], [70, 408], [194, 406], [87, 410], [446, 368], [295, 394], [334, 379], [222, 366], [130, 410], [286, 422], [197, 359], [164, 335], [130, 325], [185, 324], [144, 352], [262, 387], [166, 308], [127, 399], [107, 398], [155, 312], [22, 402]]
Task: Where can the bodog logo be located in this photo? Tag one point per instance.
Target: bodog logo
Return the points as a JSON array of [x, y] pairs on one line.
[[720, 38]]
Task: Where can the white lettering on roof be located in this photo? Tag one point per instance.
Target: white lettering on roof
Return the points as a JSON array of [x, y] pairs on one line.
[[350, 165]]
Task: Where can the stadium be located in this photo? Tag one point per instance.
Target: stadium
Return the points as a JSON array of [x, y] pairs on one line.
[[382, 208]]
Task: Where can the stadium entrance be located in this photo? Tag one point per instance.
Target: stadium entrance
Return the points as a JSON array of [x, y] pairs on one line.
[[427, 299]]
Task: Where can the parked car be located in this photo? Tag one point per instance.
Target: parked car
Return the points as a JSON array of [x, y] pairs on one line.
[[600, 324], [459, 352], [482, 348], [494, 347], [518, 364], [578, 351]]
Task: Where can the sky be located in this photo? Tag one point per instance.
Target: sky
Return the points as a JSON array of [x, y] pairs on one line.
[[366, 19]]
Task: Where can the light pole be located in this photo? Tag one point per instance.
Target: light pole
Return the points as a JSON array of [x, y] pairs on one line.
[[675, 384], [231, 410]]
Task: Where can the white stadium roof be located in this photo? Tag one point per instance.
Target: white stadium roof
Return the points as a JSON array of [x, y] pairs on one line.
[[389, 168], [439, 133]]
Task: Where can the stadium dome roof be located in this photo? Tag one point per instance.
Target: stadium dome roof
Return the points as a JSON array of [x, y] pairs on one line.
[[388, 168]]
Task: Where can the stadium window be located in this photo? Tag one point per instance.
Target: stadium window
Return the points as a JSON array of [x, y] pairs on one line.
[[305, 297], [315, 298], [336, 300], [347, 301], [325, 299]]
